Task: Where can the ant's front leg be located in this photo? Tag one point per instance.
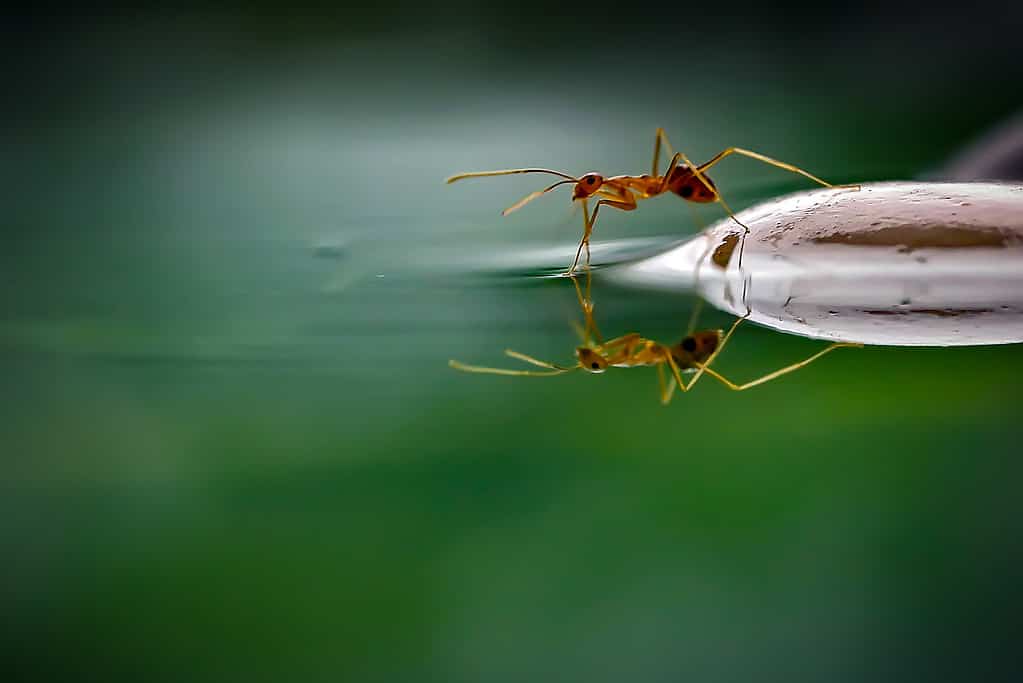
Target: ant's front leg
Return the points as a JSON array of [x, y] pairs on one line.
[[622, 199]]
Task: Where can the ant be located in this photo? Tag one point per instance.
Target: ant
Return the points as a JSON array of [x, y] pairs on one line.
[[684, 178], [693, 354]]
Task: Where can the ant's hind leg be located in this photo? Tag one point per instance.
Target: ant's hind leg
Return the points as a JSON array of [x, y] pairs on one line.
[[778, 373], [771, 162], [698, 172]]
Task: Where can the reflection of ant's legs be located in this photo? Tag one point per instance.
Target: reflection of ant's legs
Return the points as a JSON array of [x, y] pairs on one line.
[[676, 374], [777, 373], [717, 351], [694, 316], [747, 284], [724, 340], [590, 331], [667, 389], [629, 338], [743, 300], [703, 256]]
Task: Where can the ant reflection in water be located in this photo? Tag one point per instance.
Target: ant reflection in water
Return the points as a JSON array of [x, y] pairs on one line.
[[694, 354]]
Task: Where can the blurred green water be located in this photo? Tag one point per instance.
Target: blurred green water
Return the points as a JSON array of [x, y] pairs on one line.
[[233, 448]]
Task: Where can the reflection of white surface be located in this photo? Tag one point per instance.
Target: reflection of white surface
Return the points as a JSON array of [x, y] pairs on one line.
[[914, 264]]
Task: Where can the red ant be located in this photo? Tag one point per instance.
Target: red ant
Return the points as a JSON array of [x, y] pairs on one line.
[[682, 177]]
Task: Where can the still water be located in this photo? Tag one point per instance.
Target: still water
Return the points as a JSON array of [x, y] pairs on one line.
[[233, 445]]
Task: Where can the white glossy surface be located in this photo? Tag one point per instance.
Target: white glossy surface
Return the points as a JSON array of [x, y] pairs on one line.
[[909, 264]]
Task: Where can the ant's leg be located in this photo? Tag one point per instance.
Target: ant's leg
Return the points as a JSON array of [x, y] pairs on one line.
[[626, 202], [676, 373], [667, 390], [692, 212], [586, 236], [772, 162], [502, 371], [698, 172], [767, 160], [624, 340], [672, 165], [590, 331], [659, 139], [777, 373], [671, 389], [706, 183]]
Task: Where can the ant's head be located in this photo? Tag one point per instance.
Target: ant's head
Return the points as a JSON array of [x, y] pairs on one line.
[[590, 360], [587, 185]]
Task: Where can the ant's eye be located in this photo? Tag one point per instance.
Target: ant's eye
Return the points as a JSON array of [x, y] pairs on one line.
[[590, 180], [595, 365]]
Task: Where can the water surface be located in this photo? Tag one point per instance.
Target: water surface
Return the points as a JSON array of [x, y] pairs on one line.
[[233, 448]]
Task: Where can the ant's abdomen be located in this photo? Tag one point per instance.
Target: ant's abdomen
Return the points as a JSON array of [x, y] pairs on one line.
[[693, 190], [688, 185]]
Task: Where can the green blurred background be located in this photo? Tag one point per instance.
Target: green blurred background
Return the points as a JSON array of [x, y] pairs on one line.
[[232, 448]]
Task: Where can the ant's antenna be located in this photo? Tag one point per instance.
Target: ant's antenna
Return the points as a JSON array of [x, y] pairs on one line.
[[533, 195], [513, 171]]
